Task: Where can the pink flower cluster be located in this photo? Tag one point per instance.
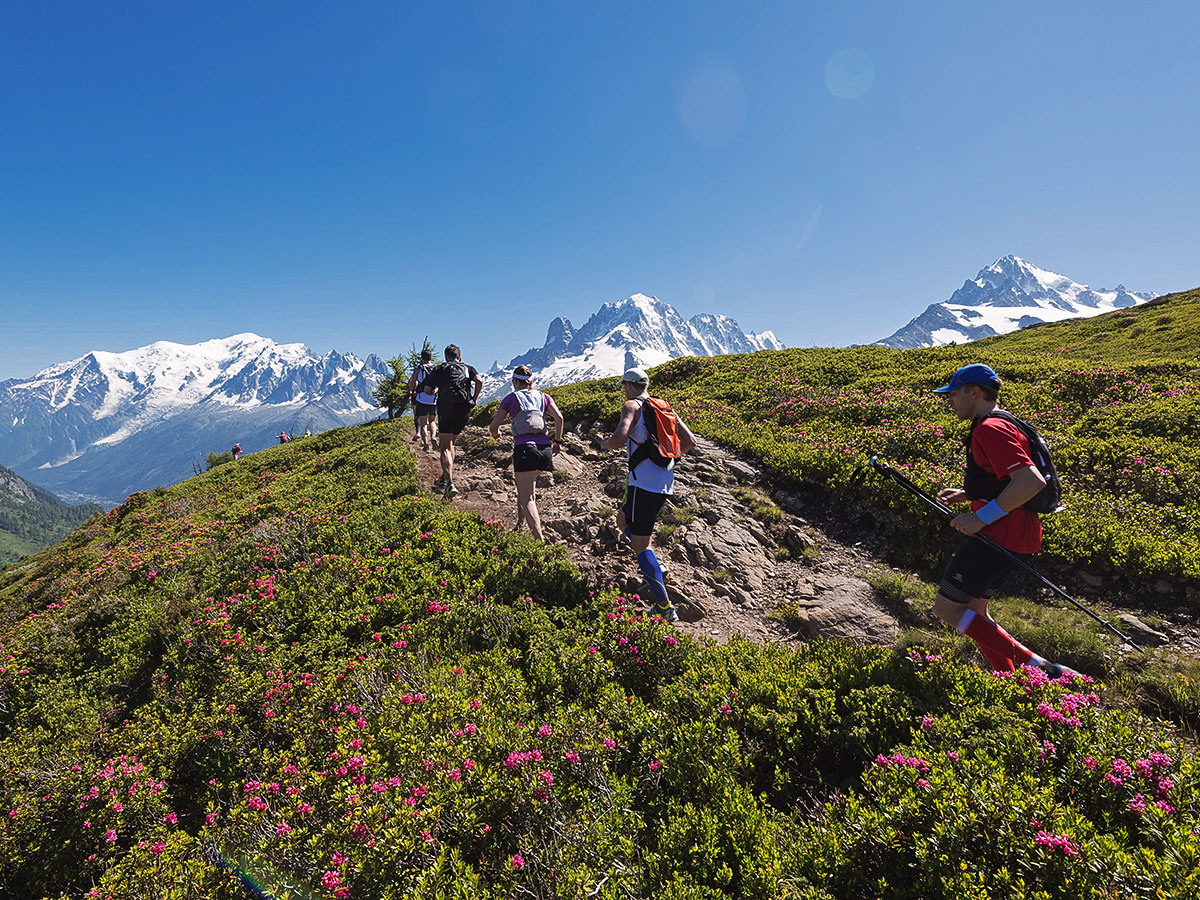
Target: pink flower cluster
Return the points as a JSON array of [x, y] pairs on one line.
[[517, 759], [1056, 841], [902, 761]]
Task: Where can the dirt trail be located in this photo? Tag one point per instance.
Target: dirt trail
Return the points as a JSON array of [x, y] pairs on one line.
[[731, 551]]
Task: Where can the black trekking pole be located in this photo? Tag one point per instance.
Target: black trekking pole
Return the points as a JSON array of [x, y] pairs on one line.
[[884, 470]]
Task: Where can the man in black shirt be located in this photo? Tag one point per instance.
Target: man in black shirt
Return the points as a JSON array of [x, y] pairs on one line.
[[458, 386]]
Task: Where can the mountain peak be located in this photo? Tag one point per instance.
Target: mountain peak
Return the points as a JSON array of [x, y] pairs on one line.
[[638, 330], [106, 402], [1009, 294]]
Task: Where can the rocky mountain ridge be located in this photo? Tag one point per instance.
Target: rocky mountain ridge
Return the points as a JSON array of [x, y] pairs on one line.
[[638, 330], [1009, 294], [98, 427]]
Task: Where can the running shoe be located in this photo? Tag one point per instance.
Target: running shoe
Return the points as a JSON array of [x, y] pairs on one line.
[[451, 490], [670, 613], [1055, 670]]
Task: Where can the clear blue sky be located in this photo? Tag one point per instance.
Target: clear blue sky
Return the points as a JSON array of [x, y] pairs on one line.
[[356, 175]]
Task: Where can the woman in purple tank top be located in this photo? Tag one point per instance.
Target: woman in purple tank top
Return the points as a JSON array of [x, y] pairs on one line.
[[533, 448]]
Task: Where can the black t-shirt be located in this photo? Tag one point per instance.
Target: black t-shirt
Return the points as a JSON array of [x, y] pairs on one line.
[[455, 382]]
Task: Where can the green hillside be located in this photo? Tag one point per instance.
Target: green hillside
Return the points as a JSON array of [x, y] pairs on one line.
[[1125, 429], [32, 519], [1167, 327], [294, 677]]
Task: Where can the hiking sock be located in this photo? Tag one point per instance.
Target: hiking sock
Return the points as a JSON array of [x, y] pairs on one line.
[[1002, 651], [648, 563]]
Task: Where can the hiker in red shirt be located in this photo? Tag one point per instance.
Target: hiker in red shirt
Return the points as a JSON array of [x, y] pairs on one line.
[[236, 451], [999, 465]]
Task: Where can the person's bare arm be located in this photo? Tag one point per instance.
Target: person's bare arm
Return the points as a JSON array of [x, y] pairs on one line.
[[617, 439], [687, 440], [497, 421], [1023, 485], [557, 418]]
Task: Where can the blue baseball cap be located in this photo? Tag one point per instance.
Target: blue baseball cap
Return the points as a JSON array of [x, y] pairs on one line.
[[977, 373]]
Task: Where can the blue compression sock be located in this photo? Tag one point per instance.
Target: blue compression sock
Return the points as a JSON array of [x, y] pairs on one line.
[[648, 563]]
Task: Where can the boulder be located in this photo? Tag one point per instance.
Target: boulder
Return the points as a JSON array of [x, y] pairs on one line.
[[727, 545], [842, 606], [1141, 633], [741, 471], [567, 466]]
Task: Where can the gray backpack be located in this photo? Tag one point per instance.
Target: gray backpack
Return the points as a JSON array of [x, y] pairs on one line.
[[530, 419]]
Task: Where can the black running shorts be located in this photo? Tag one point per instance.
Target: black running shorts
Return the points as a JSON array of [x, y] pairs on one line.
[[530, 457], [641, 510], [974, 570], [452, 419], [424, 409]]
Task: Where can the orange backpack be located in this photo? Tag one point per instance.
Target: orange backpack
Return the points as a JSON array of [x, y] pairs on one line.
[[662, 445]]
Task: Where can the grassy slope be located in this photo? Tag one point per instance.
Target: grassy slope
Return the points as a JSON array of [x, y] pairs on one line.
[[294, 668], [1125, 430], [1168, 327]]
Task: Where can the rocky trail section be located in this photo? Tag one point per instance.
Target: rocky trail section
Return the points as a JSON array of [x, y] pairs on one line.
[[732, 552]]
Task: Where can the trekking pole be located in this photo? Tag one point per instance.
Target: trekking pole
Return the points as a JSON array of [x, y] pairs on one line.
[[882, 468]]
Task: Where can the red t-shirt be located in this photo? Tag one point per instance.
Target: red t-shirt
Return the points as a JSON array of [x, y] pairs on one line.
[[999, 448]]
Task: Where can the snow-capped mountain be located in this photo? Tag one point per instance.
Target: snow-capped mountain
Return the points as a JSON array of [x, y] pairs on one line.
[[637, 331], [101, 426], [1009, 294]]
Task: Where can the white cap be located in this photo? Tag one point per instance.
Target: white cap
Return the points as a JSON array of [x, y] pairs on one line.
[[636, 376]]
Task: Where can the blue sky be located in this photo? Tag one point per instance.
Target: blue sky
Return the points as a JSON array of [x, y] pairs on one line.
[[358, 175]]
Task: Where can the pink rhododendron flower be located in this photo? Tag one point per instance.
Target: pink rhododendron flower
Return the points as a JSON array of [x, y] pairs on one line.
[[1058, 841], [518, 861]]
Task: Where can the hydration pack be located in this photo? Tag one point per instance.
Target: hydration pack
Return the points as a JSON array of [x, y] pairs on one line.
[[420, 373], [980, 484], [531, 419], [662, 445], [459, 381]]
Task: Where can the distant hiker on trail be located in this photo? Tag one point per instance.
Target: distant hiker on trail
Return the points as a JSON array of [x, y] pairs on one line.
[[654, 437], [1000, 477], [283, 437], [533, 448], [236, 451], [424, 397], [458, 386]]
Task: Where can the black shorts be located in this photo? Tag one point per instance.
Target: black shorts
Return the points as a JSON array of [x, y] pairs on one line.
[[531, 457], [424, 409], [453, 419], [641, 510], [973, 571]]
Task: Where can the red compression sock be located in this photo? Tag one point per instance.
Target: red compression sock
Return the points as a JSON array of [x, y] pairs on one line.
[[1003, 652]]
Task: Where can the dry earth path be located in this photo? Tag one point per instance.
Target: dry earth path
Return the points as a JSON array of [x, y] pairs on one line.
[[731, 552]]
